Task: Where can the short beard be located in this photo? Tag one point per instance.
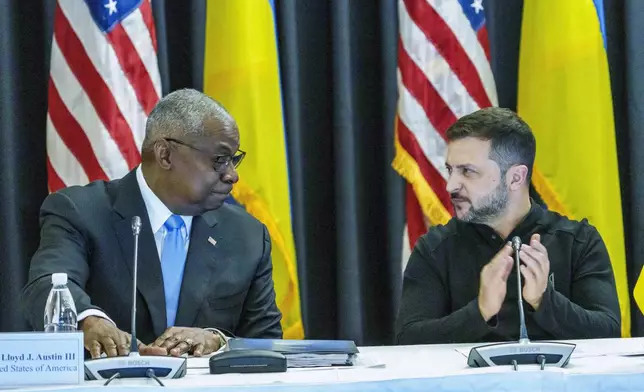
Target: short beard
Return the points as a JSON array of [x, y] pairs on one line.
[[491, 207]]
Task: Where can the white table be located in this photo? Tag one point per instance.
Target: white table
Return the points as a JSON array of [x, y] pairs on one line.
[[597, 365]]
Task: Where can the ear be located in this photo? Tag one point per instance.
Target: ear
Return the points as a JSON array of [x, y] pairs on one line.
[[162, 154], [516, 177]]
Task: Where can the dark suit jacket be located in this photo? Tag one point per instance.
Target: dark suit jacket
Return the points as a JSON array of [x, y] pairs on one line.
[[86, 232]]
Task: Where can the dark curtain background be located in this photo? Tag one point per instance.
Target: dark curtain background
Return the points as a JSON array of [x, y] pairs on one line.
[[338, 71]]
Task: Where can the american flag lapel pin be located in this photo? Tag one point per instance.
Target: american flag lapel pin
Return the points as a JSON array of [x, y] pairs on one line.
[[212, 241]]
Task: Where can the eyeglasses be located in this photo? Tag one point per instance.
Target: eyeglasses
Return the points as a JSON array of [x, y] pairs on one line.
[[220, 162]]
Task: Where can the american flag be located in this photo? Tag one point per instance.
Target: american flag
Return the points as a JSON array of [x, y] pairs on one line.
[[444, 73], [104, 81]]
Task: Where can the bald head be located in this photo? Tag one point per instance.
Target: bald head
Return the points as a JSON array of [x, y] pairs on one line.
[[185, 113]]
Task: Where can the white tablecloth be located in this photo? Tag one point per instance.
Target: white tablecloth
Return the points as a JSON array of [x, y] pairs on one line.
[[597, 365]]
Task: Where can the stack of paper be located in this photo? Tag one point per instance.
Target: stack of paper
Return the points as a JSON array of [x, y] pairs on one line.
[[319, 360]]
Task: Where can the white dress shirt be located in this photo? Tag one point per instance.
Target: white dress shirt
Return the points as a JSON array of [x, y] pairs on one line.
[[158, 213]]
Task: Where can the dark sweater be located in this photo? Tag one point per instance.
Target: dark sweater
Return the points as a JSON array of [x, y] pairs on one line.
[[440, 289]]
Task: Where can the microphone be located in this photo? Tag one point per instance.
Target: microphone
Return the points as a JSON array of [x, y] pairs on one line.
[[523, 352], [523, 330], [136, 230], [135, 365]]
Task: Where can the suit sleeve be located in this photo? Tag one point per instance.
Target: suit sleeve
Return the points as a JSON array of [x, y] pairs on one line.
[[260, 316], [63, 248], [424, 316], [593, 308]]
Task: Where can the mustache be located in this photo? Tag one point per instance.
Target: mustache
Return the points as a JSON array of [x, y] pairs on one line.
[[457, 197]]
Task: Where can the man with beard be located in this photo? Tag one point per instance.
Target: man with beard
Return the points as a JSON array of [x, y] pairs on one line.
[[460, 282]]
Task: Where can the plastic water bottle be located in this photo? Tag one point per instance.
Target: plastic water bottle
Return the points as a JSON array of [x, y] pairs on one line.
[[60, 311]]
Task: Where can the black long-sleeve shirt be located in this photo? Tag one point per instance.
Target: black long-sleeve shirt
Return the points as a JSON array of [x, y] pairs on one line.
[[440, 289]]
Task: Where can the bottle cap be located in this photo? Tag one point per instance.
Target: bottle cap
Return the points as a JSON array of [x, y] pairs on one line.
[[59, 279]]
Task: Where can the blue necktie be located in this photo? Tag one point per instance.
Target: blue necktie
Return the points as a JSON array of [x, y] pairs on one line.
[[173, 260]]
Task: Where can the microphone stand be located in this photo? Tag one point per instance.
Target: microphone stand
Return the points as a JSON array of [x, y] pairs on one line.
[[523, 330], [134, 365], [524, 351]]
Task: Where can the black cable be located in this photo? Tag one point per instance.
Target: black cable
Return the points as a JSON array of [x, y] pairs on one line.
[[150, 374], [114, 377]]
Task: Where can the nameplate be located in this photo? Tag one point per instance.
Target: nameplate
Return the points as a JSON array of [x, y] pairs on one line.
[[38, 358]]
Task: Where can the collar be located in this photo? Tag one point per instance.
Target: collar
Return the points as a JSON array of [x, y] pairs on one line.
[[157, 211], [529, 225], [530, 222]]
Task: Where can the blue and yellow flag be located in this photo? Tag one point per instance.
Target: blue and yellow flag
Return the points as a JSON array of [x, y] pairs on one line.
[[565, 96], [241, 71]]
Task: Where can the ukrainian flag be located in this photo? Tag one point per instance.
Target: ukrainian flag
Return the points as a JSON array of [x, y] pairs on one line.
[[565, 96], [241, 71]]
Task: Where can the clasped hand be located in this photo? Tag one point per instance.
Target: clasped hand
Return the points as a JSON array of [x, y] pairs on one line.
[[195, 341], [101, 336]]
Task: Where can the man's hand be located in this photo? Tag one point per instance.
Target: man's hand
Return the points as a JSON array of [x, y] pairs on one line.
[[493, 287], [195, 341], [101, 336], [534, 270]]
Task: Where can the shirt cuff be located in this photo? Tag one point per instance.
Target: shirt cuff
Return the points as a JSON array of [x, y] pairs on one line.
[[545, 316], [94, 312], [475, 320], [222, 336]]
